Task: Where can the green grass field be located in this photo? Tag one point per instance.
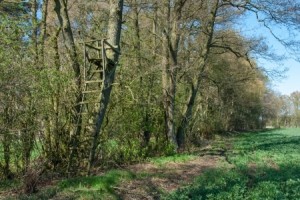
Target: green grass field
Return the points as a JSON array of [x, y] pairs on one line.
[[265, 165], [258, 165]]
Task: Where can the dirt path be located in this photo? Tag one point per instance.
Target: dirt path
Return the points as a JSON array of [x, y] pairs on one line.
[[167, 178]]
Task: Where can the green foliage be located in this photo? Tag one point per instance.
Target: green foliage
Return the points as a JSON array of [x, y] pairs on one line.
[[266, 166], [126, 151]]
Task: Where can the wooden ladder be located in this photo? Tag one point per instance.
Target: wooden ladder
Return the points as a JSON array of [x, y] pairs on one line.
[[93, 77]]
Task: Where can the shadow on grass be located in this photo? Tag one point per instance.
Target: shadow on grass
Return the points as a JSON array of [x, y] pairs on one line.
[[267, 183], [266, 166], [269, 139]]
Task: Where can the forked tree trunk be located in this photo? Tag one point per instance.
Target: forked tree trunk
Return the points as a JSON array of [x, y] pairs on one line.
[[170, 66], [207, 34], [114, 35]]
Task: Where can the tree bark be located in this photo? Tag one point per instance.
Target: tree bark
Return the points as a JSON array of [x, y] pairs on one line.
[[43, 32], [207, 34], [170, 66], [34, 36], [114, 35]]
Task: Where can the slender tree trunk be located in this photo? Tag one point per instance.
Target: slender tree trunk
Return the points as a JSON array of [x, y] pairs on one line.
[[43, 33], [6, 143], [28, 135], [63, 17], [138, 60], [34, 36], [114, 35], [6, 148]]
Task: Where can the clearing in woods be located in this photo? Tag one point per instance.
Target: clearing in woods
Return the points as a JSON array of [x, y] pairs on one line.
[[254, 165]]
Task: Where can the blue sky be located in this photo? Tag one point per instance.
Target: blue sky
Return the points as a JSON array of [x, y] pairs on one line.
[[249, 26], [292, 81]]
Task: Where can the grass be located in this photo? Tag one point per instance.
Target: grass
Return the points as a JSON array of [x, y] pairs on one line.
[[96, 186], [265, 165]]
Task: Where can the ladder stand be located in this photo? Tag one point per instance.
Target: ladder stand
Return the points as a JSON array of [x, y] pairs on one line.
[[94, 66], [94, 72]]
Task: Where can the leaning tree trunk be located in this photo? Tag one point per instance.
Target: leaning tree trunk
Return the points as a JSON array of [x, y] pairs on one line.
[[114, 35]]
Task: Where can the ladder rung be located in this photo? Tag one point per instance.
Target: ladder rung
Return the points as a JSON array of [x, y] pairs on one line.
[[91, 91], [86, 125], [97, 71], [86, 102], [96, 81], [93, 47], [84, 113], [96, 61]]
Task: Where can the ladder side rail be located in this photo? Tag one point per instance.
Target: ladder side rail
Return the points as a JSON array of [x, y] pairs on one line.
[[99, 47], [103, 58], [84, 65]]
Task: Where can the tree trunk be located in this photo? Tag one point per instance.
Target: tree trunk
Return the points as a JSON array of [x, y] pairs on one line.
[[207, 35], [114, 35], [180, 135], [170, 66], [34, 36], [6, 143], [43, 33], [63, 17], [144, 96]]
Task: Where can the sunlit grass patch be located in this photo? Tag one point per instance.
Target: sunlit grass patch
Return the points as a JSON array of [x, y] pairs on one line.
[[95, 186], [178, 158]]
